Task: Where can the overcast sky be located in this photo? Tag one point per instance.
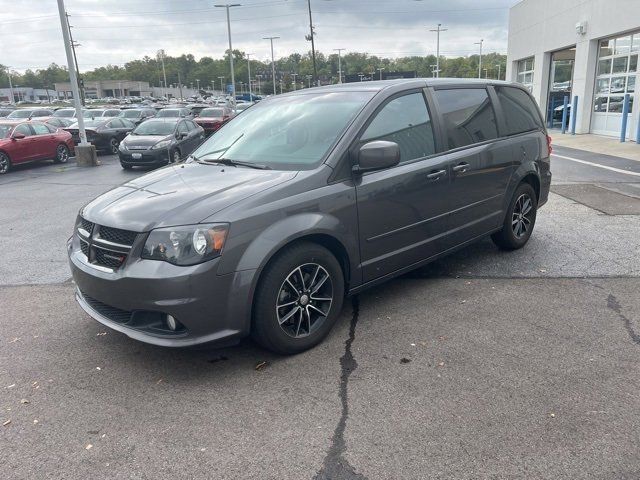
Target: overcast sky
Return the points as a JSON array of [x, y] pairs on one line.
[[116, 31]]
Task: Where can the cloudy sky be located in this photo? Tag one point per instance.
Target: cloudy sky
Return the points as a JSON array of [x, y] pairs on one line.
[[116, 31]]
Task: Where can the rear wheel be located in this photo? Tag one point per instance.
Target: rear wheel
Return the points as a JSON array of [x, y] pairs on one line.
[[519, 220], [5, 163], [298, 299], [113, 146], [62, 154]]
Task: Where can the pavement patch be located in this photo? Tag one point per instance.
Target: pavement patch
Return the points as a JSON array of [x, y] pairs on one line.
[[599, 198]]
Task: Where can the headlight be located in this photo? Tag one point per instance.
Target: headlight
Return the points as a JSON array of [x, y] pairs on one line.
[[161, 144], [122, 147], [186, 245]]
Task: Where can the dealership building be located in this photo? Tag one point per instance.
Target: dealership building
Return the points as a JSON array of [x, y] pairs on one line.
[[578, 48]]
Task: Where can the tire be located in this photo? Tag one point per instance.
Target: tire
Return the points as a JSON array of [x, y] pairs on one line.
[[5, 163], [519, 220], [62, 154], [303, 319], [113, 146], [125, 166]]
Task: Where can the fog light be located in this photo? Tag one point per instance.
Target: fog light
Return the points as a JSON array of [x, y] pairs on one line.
[[172, 323]]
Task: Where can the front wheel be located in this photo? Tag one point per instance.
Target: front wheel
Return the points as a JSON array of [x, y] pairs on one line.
[[113, 146], [298, 299], [62, 154], [5, 163], [519, 220]]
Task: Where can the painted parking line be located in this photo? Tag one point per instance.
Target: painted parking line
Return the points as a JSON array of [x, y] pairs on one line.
[[613, 169]]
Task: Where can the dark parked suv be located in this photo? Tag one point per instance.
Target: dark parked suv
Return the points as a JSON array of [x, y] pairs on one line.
[[305, 198]]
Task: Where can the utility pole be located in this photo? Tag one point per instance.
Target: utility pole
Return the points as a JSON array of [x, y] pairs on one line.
[[13, 98], [249, 75], [273, 62], [438, 30], [164, 73], [233, 77], [85, 152], [499, 66], [281, 82], [75, 59], [313, 45], [294, 75], [480, 61], [339, 50]]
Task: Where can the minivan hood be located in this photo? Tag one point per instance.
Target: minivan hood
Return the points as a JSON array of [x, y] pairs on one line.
[[179, 195]]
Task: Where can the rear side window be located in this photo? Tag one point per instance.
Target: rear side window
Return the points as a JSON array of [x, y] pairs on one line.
[[23, 129], [468, 116], [404, 120], [116, 123], [40, 129], [521, 113]]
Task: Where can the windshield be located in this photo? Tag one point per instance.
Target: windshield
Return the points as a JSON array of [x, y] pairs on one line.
[[131, 114], [20, 114], [4, 130], [155, 128], [287, 133], [168, 113], [212, 112], [64, 113]]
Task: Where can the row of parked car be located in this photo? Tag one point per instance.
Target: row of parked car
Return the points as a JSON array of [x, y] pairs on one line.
[[141, 136]]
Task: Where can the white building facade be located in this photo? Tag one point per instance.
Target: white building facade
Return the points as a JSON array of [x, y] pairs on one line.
[[578, 48]]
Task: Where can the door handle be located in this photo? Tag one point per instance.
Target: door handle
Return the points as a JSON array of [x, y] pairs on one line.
[[461, 167], [436, 174]]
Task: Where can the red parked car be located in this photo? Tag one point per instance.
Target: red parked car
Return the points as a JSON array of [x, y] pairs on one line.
[[22, 142], [211, 119]]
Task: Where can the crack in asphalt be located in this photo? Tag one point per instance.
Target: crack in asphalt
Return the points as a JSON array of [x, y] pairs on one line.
[[335, 466], [613, 304]]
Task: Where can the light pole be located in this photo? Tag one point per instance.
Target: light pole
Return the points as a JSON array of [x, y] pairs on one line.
[[198, 83], [361, 75], [380, 70], [339, 50], [221, 84], [499, 66], [438, 30], [273, 62], [249, 75], [486, 72], [480, 61], [233, 78], [160, 54], [294, 75], [72, 74]]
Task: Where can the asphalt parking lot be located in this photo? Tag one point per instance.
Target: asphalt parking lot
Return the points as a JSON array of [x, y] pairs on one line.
[[483, 365]]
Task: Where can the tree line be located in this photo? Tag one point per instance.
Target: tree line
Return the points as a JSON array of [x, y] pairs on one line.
[[207, 70]]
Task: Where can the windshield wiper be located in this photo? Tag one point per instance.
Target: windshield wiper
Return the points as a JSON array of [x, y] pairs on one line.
[[233, 163]]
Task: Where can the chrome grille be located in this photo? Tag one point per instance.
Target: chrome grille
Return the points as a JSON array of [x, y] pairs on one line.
[[106, 247]]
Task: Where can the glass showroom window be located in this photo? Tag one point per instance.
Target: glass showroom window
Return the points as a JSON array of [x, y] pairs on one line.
[[525, 72], [616, 74]]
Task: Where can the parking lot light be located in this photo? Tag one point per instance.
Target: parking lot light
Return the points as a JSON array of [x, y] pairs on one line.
[[233, 78]]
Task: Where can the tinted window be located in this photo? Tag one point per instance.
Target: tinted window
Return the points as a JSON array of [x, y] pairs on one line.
[[23, 129], [4, 130], [521, 113], [131, 114], [127, 123], [51, 128], [151, 127], [405, 121], [20, 114], [212, 112], [115, 123], [468, 116], [40, 129]]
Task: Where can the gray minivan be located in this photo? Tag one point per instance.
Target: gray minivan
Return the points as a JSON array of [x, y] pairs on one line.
[[305, 198]]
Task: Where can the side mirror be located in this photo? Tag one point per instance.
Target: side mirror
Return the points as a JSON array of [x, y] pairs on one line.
[[18, 136], [183, 135], [376, 156]]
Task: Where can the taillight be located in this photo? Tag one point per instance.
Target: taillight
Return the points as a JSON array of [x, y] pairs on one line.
[[549, 147]]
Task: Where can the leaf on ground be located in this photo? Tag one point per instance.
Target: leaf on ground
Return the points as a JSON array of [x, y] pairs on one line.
[[88, 447], [24, 401], [261, 366], [441, 364], [405, 360], [6, 423]]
